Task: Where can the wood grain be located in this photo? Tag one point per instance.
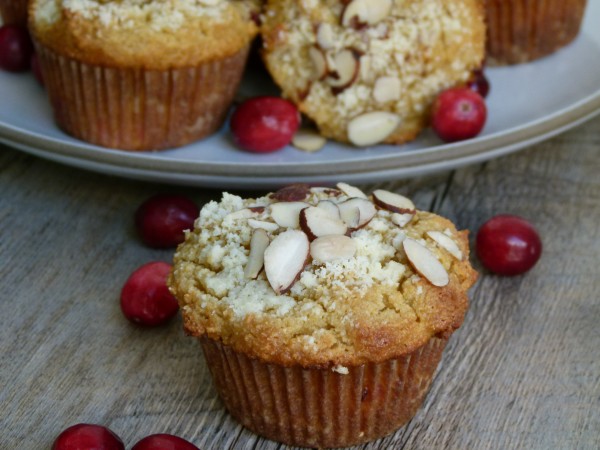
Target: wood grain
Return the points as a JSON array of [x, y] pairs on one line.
[[522, 373]]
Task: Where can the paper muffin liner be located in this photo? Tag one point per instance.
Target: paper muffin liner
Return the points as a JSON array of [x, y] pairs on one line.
[[524, 30], [138, 109], [13, 12], [315, 407]]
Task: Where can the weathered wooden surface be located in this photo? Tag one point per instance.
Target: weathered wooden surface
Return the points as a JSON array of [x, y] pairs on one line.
[[522, 373]]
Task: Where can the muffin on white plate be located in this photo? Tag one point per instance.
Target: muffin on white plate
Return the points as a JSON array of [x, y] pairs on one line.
[[141, 74], [367, 71]]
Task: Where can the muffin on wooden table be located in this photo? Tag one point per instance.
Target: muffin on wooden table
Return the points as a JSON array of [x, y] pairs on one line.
[[322, 313], [141, 74], [367, 71], [525, 30]]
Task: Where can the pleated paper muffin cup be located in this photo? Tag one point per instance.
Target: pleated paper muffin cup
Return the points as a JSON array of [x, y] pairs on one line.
[[140, 109], [13, 12], [322, 407], [525, 30]]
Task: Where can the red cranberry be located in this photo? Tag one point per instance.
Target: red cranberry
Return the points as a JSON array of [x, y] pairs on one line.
[[36, 69], [162, 219], [479, 83], [145, 297], [264, 124], [163, 442], [84, 436], [458, 114], [15, 48], [508, 245]]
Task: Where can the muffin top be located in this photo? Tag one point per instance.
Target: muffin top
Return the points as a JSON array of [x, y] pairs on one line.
[[339, 60], [151, 34], [352, 280]]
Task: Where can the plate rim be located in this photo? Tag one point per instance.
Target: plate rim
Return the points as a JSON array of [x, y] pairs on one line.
[[560, 120]]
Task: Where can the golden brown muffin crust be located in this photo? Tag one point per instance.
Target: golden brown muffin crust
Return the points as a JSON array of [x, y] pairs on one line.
[[371, 307], [147, 34]]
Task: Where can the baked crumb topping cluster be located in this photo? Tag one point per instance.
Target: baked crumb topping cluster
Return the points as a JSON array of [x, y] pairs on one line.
[[321, 276], [149, 34], [268, 254], [159, 15]]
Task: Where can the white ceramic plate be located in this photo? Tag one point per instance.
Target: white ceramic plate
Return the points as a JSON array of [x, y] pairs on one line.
[[527, 103]]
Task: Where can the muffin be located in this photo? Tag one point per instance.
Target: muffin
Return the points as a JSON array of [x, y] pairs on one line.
[[525, 30], [13, 12], [141, 74], [367, 71], [322, 313]]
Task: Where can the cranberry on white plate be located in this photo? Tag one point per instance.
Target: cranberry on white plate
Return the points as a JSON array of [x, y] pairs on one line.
[[15, 48], [264, 124], [479, 83], [458, 114]]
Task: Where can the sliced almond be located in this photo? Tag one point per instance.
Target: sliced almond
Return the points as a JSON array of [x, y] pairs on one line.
[[332, 192], [380, 31], [402, 219], [257, 208], [330, 207], [325, 36], [351, 191], [244, 213], [358, 13], [366, 73], [393, 202], [425, 262], [345, 69], [263, 225], [372, 128], [308, 140], [292, 193], [332, 248], [258, 245], [287, 214], [446, 243], [351, 216], [317, 222], [285, 258], [366, 211], [386, 89], [319, 63]]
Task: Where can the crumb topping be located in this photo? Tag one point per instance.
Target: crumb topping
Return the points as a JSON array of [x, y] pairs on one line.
[[126, 14], [331, 306], [149, 34]]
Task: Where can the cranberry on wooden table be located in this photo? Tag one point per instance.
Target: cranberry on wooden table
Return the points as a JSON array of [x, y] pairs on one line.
[[163, 442], [458, 114], [145, 297], [15, 48], [85, 436], [264, 124], [162, 219], [508, 245]]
